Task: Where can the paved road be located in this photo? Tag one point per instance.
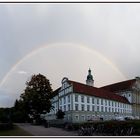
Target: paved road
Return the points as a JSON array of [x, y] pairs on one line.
[[42, 131]]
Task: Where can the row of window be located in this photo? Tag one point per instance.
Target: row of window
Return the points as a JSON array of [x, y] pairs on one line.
[[103, 109], [99, 101], [64, 107], [65, 91], [84, 117], [64, 100], [91, 117], [93, 108], [93, 100]]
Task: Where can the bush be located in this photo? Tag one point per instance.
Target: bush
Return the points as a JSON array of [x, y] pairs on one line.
[[110, 126], [6, 126]]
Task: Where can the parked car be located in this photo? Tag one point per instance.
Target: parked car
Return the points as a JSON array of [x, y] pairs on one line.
[[129, 118], [119, 118]]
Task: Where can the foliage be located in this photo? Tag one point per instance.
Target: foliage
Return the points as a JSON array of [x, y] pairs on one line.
[[112, 125], [5, 115], [36, 97], [19, 113], [6, 126], [60, 114]]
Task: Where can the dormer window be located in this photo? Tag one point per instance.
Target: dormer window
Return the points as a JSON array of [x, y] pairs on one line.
[[64, 85], [64, 80]]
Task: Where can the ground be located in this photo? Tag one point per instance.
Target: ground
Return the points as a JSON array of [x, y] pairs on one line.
[[42, 131], [16, 131]]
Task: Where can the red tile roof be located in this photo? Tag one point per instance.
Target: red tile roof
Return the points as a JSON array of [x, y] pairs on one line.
[[121, 86], [98, 92]]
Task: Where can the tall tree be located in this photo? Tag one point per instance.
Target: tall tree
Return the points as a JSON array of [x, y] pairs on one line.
[[37, 95]]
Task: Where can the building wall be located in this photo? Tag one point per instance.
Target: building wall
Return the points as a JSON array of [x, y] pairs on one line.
[[94, 109], [91, 107], [104, 108]]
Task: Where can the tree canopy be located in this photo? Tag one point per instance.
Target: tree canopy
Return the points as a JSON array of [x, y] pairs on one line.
[[37, 95]]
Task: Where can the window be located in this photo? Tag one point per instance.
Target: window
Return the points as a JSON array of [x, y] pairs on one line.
[[64, 86], [69, 117], [88, 117], [76, 107], [87, 99], [76, 117], [92, 100], [82, 99], [97, 101], [97, 108], [109, 103], [102, 109], [105, 102], [64, 107], [121, 105], [64, 100], [61, 101], [119, 110], [88, 108], [105, 109], [69, 107], [76, 98], [101, 101], [112, 109], [83, 108], [112, 103], [93, 108], [83, 117], [68, 98]]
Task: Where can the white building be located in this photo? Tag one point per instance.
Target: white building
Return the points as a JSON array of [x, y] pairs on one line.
[[83, 102]]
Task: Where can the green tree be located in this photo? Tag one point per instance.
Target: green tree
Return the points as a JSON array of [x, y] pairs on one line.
[[5, 115], [37, 95], [60, 114], [19, 113]]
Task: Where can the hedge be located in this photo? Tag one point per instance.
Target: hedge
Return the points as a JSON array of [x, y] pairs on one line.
[[6, 126]]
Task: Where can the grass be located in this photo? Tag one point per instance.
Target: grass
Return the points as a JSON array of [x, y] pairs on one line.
[[16, 131]]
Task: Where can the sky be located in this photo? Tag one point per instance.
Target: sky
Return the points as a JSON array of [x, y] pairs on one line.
[[65, 40]]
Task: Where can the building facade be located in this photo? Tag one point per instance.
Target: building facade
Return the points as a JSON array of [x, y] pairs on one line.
[[84, 102], [130, 90]]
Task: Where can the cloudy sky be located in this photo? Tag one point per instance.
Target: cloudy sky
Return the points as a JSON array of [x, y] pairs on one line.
[[64, 40]]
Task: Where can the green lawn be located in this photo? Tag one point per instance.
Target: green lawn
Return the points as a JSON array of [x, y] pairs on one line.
[[16, 131]]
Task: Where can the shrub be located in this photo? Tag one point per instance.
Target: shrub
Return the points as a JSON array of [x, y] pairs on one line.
[[6, 126]]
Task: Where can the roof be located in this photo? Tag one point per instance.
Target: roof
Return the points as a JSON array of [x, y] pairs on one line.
[[56, 91], [121, 86], [98, 92]]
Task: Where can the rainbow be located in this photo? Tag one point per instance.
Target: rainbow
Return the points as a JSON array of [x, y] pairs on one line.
[[61, 45]]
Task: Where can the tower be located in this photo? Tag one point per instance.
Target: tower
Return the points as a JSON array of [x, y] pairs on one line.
[[89, 80]]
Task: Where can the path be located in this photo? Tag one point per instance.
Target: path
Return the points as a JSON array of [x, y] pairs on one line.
[[42, 131]]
